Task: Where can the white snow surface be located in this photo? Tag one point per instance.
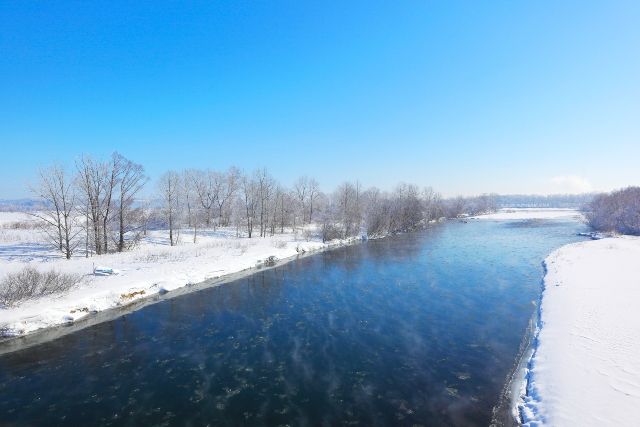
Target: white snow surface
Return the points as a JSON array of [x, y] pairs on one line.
[[530, 213], [152, 268], [585, 369]]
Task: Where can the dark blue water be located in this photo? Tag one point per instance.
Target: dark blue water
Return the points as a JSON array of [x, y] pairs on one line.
[[417, 329]]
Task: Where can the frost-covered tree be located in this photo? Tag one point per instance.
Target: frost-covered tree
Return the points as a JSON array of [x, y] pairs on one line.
[[301, 189], [226, 190], [170, 186], [91, 182], [207, 191], [265, 185], [190, 201], [56, 188], [131, 179], [250, 197], [314, 194]]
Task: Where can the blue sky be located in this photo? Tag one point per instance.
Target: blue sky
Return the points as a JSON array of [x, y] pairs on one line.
[[468, 97]]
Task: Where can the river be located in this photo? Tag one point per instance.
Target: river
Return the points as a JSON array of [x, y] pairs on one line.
[[415, 329]]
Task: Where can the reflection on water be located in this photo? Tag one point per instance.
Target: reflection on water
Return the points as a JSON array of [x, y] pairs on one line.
[[418, 329]]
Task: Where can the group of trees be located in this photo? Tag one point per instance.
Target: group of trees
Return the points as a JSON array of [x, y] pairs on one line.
[[99, 205], [199, 199], [617, 211], [255, 203], [460, 206], [94, 204]]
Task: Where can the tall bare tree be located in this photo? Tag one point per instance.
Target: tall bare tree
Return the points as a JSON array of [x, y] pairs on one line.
[[91, 184], [169, 187], [226, 190], [190, 196], [132, 180], [111, 176], [250, 200], [314, 193], [56, 188], [265, 186], [301, 190], [206, 190]]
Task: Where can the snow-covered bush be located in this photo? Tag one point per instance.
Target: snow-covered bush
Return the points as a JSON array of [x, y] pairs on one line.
[[330, 231], [280, 244], [30, 283], [21, 225]]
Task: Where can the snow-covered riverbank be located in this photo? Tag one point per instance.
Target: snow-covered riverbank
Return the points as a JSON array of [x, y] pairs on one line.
[[585, 369], [152, 268]]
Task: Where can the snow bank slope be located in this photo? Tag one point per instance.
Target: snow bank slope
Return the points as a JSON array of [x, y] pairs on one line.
[[153, 268], [586, 367]]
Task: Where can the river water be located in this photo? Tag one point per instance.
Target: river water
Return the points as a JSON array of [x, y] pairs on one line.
[[416, 329]]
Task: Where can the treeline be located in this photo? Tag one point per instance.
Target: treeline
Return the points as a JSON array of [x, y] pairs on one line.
[[618, 211], [98, 205], [567, 201]]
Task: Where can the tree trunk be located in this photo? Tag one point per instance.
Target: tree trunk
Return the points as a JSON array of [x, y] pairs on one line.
[[121, 237], [170, 230], [86, 243], [59, 229], [96, 236], [104, 234]]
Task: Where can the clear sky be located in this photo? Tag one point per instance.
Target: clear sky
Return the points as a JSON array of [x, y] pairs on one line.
[[469, 97]]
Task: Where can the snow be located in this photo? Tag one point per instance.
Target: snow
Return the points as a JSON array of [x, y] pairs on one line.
[[7, 218], [530, 213], [119, 279], [585, 369]]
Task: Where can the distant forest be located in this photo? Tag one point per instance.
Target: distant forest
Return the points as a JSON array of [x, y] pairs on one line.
[[570, 201]]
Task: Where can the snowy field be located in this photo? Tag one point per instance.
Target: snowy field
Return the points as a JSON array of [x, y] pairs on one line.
[[586, 367], [153, 267], [530, 213]]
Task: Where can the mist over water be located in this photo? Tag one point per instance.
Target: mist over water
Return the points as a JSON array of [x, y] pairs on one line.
[[416, 329]]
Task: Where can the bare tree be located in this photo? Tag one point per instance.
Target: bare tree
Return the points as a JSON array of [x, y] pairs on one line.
[[59, 221], [249, 198], [431, 204], [347, 208], [314, 193], [407, 212], [90, 181], [455, 207], [283, 207], [227, 189], [111, 176], [301, 190], [206, 191], [376, 212], [265, 185], [188, 180], [132, 180], [169, 187]]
